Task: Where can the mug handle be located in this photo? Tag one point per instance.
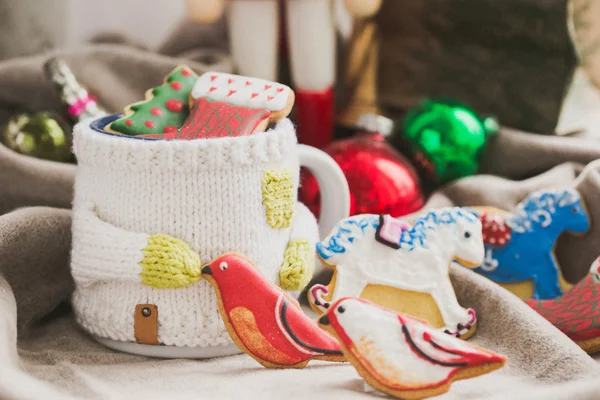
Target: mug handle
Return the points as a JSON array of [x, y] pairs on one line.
[[335, 193]]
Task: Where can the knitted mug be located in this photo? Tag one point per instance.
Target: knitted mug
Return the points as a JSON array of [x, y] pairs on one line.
[[144, 204]]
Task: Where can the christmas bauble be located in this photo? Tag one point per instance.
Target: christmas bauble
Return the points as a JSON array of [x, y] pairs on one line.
[[447, 138], [42, 135], [381, 180]]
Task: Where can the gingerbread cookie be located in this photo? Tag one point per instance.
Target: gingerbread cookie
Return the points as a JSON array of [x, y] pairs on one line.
[[164, 110], [400, 355], [576, 313], [225, 105], [262, 320], [403, 267], [519, 246]]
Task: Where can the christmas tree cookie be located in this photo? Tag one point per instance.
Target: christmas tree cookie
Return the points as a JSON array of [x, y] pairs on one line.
[[164, 110]]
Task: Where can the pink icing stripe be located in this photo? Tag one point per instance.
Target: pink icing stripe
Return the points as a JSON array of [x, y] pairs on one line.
[[473, 316], [316, 295], [80, 106], [392, 229]]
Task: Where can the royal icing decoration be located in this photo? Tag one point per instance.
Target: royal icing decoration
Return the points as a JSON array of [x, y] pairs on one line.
[[209, 119], [519, 246], [402, 356], [390, 231], [242, 91], [262, 320], [495, 230], [577, 312], [418, 261], [225, 105], [164, 110]]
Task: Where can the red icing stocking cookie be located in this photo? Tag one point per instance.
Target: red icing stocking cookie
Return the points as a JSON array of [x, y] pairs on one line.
[[400, 355], [225, 105], [164, 110], [577, 313], [262, 320]]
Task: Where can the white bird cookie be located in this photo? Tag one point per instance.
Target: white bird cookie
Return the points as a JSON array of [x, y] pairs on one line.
[[402, 356]]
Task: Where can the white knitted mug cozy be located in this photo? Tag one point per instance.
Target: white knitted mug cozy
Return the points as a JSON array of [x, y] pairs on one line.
[[216, 195]]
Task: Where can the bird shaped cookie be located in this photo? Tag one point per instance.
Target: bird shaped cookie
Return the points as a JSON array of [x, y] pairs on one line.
[[402, 356], [263, 320]]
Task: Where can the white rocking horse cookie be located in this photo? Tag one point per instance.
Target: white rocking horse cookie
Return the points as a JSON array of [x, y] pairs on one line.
[[403, 267]]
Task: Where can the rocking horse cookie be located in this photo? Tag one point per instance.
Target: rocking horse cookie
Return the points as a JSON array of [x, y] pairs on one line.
[[519, 246], [576, 312], [403, 267]]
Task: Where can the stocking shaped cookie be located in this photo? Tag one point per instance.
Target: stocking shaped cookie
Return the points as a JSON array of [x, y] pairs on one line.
[[225, 105], [576, 312], [403, 267]]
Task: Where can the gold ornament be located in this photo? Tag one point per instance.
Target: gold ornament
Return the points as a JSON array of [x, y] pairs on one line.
[[42, 135]]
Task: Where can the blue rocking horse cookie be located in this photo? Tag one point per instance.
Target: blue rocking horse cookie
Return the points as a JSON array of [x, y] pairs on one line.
[[519, 246]]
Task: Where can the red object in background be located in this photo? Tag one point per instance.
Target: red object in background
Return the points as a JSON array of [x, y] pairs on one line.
[[314, 116], [381, 180]]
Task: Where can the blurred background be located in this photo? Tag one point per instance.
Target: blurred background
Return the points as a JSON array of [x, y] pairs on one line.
[[527, 65], [26, 26], [549, 36]]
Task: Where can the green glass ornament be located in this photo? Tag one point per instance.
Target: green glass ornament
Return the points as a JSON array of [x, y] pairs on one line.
[[447, 138], [41, 135]]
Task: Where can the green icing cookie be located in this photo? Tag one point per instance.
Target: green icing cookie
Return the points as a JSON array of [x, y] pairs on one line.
[[164, 110]]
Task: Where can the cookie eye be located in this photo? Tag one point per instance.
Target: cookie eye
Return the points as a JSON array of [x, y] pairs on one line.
[[341, 309], [223, 266], [467, 234]]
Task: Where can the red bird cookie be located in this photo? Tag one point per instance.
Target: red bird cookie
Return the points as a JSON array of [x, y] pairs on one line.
[[263, 320], [402, 356]]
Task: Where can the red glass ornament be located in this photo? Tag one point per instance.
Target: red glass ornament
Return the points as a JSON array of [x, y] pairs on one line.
[[381, 180]]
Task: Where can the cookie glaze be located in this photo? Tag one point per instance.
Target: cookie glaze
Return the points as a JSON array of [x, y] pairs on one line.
[[215, 119], [417, 260], [262, 320], [396, 353], [164, 110], [242, 91], [577, 312], [519, 246]]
